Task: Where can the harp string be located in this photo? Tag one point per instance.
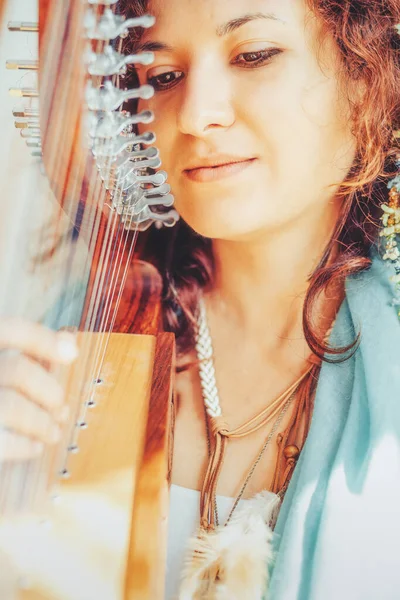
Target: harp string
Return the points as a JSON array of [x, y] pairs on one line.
[[113, 276], [71, 184], [15, 477], [17, 211], [62, 163], [53, 152], [118, 244], [110, 266], [95, 308], [41, 467]]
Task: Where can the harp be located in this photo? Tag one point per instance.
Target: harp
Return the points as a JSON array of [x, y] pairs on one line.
[[88, 518]]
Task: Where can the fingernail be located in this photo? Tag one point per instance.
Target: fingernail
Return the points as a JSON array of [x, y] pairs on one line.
[[66, 347], [64, 414], [37, 448], [55, 435]]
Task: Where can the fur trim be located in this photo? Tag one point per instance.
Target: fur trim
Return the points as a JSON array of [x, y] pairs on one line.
[[231, 563]]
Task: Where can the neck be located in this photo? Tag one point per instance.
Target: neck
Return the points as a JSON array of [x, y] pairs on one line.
[[264, 281]]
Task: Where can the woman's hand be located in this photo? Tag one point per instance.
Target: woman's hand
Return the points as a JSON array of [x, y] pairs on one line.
[[31, 400]]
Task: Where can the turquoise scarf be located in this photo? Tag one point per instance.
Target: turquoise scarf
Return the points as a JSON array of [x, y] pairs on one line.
[[338, 532]]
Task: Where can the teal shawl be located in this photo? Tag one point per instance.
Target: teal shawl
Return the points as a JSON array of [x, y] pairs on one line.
[[338, 532]]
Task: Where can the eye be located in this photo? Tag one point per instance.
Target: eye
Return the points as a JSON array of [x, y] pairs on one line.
[[248, 60], [165, 81], [256, 59]]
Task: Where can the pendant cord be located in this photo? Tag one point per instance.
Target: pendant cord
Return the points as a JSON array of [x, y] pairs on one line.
[[209, 514], [213, 416], [263, 449]]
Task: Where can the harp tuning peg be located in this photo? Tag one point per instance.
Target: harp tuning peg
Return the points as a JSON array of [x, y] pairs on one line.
[[30, 133], [110, 25], [29, 124], [22, 65], [132, 179], [110, 62], [24, 92], [110, 125], [113, 147], [167, 201], [65, 474], [26, 26], [116, 175], [26, 113], [147, 217], [34, 143], [73, 449], [109, 97], [124, 157]]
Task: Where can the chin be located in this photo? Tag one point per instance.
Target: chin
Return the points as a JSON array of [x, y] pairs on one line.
[[224, 214], [230, 227]]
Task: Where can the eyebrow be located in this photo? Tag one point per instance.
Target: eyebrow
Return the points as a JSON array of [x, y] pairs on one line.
[[234, 24], [221, 31]]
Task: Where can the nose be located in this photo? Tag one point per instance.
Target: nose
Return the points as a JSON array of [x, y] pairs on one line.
[[207, 101]]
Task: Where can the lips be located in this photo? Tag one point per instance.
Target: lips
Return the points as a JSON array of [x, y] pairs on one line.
[[216, 160], [211, 173]]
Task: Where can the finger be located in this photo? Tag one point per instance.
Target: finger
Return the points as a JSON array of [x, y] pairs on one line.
[[14, 447], [20, 416], [30, 379], [38, 341]]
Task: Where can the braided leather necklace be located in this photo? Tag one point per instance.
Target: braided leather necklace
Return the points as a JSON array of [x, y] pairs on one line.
[[213, 500], [219, 429], [217, 554]]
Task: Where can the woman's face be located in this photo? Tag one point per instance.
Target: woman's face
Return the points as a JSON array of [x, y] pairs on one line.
[[241, 80]]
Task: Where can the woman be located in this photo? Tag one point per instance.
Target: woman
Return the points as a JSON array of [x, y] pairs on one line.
[[275, 126]]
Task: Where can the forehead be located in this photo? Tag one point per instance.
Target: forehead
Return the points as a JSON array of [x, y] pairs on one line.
[[197, 24], [212, 14]]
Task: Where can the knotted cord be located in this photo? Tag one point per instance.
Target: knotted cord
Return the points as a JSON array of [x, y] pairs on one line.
[[221, 432]]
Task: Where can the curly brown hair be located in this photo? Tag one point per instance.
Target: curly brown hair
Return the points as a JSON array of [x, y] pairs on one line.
[[369, 45]]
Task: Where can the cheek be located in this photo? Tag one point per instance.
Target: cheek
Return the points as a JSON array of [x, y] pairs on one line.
[[283, 113], [304, 127], [293, 120]]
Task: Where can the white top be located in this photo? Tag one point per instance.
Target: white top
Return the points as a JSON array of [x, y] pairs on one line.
[[183, 522]]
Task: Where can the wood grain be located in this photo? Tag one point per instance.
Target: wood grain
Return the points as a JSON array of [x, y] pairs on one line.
[[139, 310], [2, 9], [145, 572], [83, 555], [116, 426]]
